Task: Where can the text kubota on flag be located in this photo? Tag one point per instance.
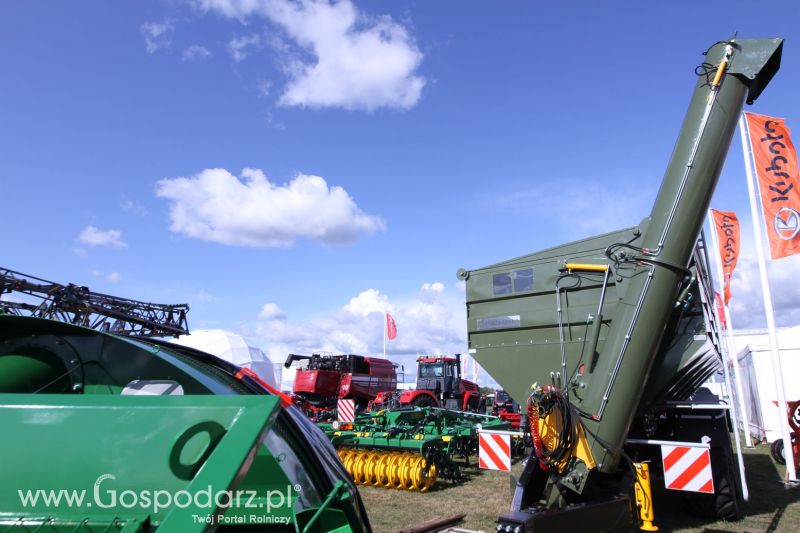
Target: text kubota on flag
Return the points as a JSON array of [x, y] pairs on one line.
[[775, 160], [727, 227]]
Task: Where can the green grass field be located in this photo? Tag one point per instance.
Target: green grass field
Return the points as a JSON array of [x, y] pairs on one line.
[[772, 508]]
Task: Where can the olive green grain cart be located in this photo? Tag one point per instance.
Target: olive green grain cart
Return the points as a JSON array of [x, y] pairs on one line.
[[606, 341]]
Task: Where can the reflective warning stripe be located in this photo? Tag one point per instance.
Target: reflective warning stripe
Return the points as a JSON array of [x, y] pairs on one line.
[[494, 451], [346, 411], [687, 468]]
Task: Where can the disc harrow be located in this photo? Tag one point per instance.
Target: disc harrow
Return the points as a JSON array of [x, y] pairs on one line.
[[408, 448], [388, 469]]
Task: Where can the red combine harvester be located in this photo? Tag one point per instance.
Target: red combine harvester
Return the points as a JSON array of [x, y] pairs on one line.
[[325, 379], [439, 384]]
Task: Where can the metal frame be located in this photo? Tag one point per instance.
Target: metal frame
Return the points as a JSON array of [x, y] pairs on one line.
[[76, 304]]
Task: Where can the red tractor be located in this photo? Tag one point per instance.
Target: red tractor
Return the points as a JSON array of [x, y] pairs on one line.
[[325, 379], [506, 408], [439, 384]]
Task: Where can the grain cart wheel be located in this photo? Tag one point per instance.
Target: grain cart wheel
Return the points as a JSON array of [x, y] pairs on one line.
[[724, 504], [776, 450]]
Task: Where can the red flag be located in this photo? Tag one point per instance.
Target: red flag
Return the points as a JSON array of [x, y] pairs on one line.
[[727, 227], [720, 310], [391, 327], [776, 166]]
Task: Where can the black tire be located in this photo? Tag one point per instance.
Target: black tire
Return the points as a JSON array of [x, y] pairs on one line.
[[777, 452], [473, 403], [724, 503], [482, 406], [423, 400]]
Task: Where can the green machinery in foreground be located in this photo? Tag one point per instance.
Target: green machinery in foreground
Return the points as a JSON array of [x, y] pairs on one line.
[[606, 340], [409, 447], [106, 433]]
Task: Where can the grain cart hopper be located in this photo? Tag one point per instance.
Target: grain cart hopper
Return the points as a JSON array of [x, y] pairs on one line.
[[604, 340], [109, 433]]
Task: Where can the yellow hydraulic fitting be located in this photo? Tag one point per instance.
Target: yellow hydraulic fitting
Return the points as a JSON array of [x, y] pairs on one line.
[[586, 267], [644, 497]]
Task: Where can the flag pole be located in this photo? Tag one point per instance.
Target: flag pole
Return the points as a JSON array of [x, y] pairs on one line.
[[731, 351], [385, 332], [732, 355], [777, 369]]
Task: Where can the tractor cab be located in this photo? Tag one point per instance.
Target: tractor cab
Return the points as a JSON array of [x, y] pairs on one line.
[[440, 375]]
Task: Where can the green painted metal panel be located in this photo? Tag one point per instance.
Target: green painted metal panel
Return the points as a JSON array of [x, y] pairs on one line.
[[114, 453]]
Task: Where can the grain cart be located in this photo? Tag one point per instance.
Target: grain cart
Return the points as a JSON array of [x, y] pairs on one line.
[[606, 341], [109, 433]]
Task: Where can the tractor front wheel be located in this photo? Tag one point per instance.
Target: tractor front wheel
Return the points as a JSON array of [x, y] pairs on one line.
[[423, 400]]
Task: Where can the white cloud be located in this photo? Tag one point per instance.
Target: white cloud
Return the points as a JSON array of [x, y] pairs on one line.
[[435, 288], [369, 301], [238, 46], [357, 61], [157, 35], [110, 238], [581, 208], [217, 206], [134, 207], [428, 322], [264, 88], [201, 296], [271, 311], [195, 52], [111, 277], [747, 300]]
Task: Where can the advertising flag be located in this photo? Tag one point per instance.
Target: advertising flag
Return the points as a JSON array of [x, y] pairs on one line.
[[727, 227], [391, 327], [776, 167], [720, 310]]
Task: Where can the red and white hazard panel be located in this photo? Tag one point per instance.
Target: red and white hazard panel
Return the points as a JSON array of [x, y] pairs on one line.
[[687, 468], [346, 411], [494, 451]]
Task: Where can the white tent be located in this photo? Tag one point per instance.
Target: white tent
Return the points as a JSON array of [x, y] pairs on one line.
[[233, 348], [758, 383]]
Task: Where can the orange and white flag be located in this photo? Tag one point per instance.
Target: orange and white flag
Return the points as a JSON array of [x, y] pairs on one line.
[[776, 167], [727, 227]]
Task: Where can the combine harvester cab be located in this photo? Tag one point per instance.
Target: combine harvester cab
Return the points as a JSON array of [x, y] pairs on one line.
[[605, 342], [107, 433]]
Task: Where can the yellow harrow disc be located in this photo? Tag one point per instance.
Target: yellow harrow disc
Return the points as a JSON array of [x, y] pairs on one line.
[[397, 470]]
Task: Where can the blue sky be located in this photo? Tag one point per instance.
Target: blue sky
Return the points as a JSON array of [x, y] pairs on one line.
[[389, 143]]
